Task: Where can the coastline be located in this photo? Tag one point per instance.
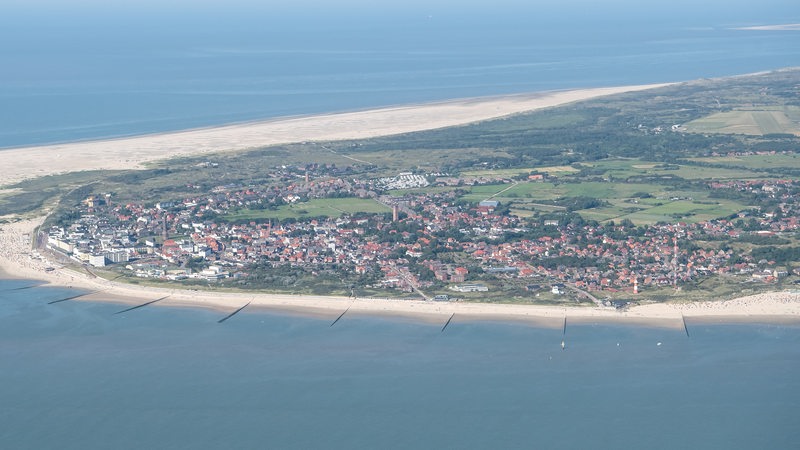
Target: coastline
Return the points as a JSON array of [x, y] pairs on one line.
[[18, 261], [134, 152]]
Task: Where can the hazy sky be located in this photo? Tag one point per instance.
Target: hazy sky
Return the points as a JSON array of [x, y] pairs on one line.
[[569, 7]]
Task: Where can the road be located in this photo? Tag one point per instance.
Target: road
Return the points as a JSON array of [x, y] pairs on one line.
[[591, 297]]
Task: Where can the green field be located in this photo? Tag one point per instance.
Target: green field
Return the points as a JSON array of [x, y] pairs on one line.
[[669, 211], [328, 207], [549, 191], [552, 170], [664, 205], [752, 122], [755, 162], [625, 168]]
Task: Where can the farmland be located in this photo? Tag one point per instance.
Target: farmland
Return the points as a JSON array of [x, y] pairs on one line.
[[754, 163], [784, 120]]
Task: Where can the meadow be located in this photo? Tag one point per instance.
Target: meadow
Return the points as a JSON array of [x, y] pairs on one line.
[[617, 168], [510, 173], [754, 162], [775, 120], [319, 207], [622, 200]]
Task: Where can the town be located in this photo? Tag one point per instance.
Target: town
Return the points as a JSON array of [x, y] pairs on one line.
[[415, 234]]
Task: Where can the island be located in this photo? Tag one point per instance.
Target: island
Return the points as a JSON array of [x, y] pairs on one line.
[[647, 203]]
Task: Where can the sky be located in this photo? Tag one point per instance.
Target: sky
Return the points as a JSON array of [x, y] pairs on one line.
[[51, 17], [636, 8]]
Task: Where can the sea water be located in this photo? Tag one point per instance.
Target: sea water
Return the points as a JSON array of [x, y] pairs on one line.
[[77, 71], [75, 375]]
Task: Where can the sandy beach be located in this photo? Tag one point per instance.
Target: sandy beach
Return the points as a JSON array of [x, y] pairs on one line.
[[127, 153], [17, 260]]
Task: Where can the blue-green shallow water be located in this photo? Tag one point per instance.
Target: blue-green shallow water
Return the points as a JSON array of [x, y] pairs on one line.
[[75, 376]]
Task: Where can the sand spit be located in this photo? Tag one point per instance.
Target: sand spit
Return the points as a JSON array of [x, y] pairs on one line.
[[127, 153], [780, 27]]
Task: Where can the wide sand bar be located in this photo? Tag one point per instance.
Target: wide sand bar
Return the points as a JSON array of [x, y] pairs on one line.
[[127, 153]]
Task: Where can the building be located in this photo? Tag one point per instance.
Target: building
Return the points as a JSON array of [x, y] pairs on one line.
[[488, 206], [97, 260], [459, 275], [470, 288], [117, 256], [60, 244]]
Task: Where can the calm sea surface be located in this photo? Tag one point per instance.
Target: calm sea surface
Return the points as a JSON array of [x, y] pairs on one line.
[[85, 73], [74, 375]]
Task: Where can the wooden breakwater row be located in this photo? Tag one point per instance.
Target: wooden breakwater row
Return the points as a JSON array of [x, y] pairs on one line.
[[234, 313], [23, 287], [72, 297], [141, 306], [238, 310], [340, 316]]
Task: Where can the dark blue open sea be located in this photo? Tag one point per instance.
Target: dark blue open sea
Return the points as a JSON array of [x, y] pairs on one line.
[[73, 375], [88, 70]]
